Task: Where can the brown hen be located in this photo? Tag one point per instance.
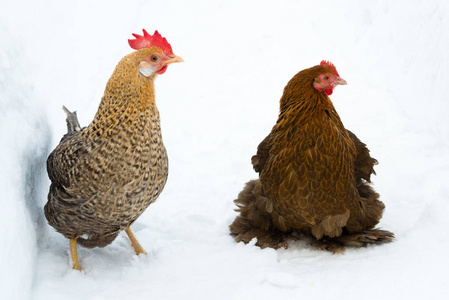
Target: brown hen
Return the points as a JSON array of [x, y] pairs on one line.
[[314, 175], [105, 175]]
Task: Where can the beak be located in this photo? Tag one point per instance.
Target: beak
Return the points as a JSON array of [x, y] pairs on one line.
[[340, 81], [174, 59]]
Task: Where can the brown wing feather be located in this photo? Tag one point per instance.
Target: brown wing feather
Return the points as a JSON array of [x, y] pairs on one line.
[[62, 160], [263, 151], [364, 163]]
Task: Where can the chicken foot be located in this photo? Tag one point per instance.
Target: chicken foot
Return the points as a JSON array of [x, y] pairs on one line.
[[74, 255], [134, 243]]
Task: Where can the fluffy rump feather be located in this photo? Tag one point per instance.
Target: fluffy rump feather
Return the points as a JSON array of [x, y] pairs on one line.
[[255, 219]]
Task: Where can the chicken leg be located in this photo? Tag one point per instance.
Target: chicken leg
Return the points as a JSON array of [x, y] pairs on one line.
[[74, 255], [134, 243]]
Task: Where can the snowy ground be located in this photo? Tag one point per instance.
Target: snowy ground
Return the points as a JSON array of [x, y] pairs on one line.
[[215, 109]]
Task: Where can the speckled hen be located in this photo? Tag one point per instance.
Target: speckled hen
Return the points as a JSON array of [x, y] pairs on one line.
[[104, 176], [314, 175]]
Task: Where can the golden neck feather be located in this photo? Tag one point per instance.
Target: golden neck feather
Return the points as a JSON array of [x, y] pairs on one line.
[[127, 95]]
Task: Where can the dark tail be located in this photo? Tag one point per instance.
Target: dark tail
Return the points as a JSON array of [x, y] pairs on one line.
[[72, 121], [256, 220]]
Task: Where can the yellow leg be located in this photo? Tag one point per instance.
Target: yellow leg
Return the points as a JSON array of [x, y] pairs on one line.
[[74, 255], [137, 247]]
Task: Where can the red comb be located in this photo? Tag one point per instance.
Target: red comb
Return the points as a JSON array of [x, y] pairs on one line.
[[329, 65], [148, 40]]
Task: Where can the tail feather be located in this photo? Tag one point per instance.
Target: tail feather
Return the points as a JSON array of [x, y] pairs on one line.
[[72, 121]]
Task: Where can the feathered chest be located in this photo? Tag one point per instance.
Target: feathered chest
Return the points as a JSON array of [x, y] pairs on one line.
[[313, 130], [132, 150], [317, 147]]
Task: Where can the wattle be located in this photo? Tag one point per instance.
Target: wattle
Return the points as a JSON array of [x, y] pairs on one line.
[[162, 71]]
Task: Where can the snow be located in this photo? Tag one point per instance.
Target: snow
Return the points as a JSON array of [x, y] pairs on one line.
[[215, 109], [24, 146]]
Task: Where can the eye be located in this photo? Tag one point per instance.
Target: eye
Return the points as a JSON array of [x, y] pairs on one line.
[[326, 77], [154, 58]]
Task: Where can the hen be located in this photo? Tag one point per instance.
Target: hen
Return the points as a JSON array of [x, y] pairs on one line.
[[105, 175], [314, 175]]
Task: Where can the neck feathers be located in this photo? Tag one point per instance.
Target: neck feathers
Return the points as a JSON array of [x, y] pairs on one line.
[[127, 96], [301, 101]]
